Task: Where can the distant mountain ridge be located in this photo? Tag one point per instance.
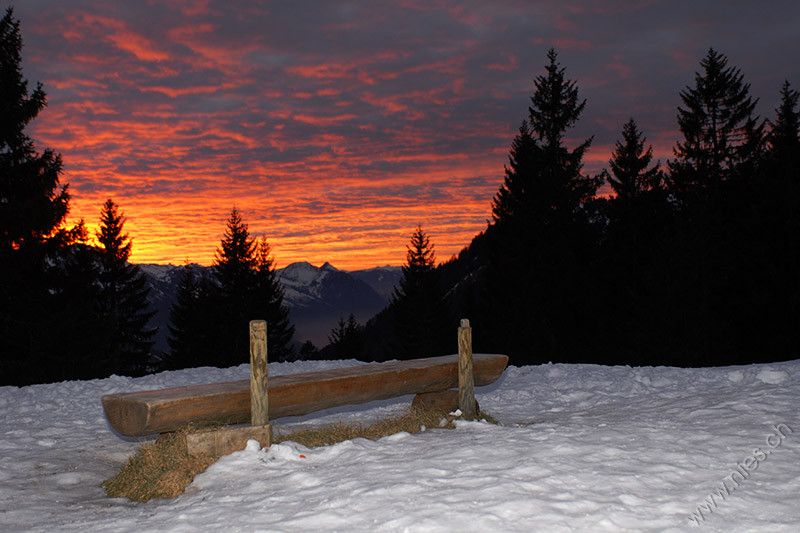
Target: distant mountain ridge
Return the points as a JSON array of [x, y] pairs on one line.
[[316, 296]]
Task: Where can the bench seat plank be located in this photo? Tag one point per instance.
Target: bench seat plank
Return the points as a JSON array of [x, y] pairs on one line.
[[157, 411]]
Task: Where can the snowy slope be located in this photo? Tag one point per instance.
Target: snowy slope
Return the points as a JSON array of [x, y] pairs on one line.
[[382, 279], [580, 448]]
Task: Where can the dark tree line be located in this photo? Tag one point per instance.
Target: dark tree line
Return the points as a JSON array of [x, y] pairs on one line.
[[692, 263], [70, 310]]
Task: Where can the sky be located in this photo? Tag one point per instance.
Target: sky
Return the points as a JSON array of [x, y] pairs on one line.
[[336, 127]]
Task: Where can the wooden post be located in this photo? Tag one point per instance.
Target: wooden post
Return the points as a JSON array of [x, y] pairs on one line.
[[259, 397], [466, 385], [223, 441]]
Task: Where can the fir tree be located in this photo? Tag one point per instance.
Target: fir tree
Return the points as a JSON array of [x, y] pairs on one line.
[[514, 197], [34, 241], [308, 351], [269, 304], [234, 260], [784, 135], [34, 207], [716, 182], [638, 217], [346, 339], [233, 268], [535, 283], [630, 175], [193, 322], [417, 302], [544, 178], [123, 298], [714, 124], [210, 321], [772, 314]]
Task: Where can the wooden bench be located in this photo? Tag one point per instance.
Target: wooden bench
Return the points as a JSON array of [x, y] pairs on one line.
[[158, 411]]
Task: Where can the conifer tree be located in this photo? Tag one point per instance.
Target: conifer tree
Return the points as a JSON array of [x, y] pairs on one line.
[[243, 288], [417, 301], [34, 207], [34, 241], [714, 123], [773, 240], [536, 281], [544, 177], [233, 269], [630, 175], [716, 180], [514, 197], [308, 351], [638, 218], [420, 261], [193, 322], [123, 298], [784, 135], [346, 339], [269, 304], [234, 260]]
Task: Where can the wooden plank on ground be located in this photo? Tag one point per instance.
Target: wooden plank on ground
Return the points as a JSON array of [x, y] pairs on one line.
[[146, 412], [223, 441]]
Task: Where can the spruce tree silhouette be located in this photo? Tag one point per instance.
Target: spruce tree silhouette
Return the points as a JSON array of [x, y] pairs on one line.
[[38, 322], [193, 322], [639, 217], [784, 135], [539, 238], [267, 302], [417, 305], [630, 175], [210, 322], [347, 339], [714, 123], [233, 268], [773, 240], [714, 180], [123, 299]]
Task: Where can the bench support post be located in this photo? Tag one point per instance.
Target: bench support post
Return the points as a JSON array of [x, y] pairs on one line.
[[223, 441], [466, 385], [259, 400]]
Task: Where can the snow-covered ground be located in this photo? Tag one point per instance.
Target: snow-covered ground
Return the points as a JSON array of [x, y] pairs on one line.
[[580, 448]]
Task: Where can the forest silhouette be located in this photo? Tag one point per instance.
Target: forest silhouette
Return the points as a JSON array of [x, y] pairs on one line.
[[693, 262]]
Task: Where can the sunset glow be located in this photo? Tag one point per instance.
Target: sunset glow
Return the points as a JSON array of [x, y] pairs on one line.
[[335, 129]]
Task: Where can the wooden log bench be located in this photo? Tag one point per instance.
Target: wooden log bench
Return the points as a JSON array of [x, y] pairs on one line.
[[158, 411]]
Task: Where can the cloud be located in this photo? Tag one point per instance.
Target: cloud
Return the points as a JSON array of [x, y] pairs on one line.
[[337, 127]]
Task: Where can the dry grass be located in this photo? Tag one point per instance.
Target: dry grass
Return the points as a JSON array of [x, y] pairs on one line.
[[411, 422], [163, 468], [159, 469]]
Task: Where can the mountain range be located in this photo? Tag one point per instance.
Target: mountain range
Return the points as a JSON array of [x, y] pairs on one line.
[[317, 297]]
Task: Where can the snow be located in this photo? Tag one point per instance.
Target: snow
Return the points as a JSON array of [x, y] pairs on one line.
[[159, 272], [579, 448], [301, 274]]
